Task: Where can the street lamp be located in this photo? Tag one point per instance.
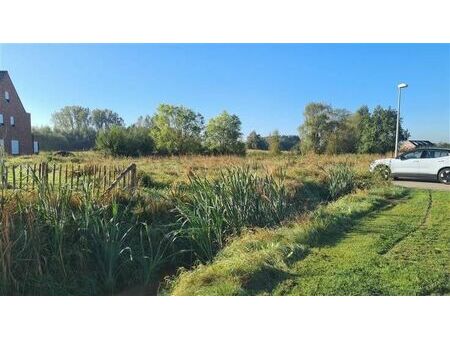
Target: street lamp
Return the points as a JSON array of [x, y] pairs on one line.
[[400, 87]]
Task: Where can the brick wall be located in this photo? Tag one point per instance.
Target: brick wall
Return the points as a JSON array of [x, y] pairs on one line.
[[21, 131]]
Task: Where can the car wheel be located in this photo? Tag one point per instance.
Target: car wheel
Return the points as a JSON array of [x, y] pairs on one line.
[[383, 171], [444, 176]]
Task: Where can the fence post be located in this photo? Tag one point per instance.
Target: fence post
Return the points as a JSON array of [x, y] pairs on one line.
[[14, 176], [20, 176], [133, 178]]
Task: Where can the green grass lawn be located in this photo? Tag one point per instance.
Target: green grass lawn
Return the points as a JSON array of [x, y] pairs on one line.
[[403, 250], [369, 245]]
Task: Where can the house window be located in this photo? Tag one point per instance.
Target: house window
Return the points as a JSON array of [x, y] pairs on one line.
[[14, 147], [12, 120], [2, 143], [1, 119], [36, 147], [6, 96]]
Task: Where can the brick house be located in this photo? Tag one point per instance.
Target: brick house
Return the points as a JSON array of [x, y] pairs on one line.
[[15, 122]]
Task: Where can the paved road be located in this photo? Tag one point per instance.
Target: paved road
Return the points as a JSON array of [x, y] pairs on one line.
[[422, 185]]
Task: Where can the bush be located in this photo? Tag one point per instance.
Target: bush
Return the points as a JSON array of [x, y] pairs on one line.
[[274, 141], [119, 141], [340, 180]]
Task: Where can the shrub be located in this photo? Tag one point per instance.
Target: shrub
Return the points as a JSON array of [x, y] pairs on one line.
[[274, 141], [120, 141], [340, 180]]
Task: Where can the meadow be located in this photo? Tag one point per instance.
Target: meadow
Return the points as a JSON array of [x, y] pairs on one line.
[[194, 225]]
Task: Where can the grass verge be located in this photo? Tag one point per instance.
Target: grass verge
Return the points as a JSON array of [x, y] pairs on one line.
[[260, 260]]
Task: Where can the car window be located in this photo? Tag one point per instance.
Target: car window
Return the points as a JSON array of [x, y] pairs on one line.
[[442, 153], [429, 154], [414, 154]]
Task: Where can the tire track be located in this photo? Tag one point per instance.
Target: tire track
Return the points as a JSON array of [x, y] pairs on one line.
[[409, 233]]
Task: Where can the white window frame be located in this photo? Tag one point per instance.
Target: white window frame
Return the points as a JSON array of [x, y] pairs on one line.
[[12, 121], [13, 143], [7, 97]]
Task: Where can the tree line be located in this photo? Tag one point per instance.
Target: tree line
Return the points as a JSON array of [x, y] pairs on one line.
[[176, 130], [171, 130], [334, 131]]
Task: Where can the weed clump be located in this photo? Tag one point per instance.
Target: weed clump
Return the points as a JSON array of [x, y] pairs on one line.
[[340, 180], [219, 209]]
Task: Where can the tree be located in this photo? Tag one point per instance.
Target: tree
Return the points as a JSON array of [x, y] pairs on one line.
[[176, 129], [341, 137], [105, 119], [144, 121], [444, 144], [255, 141], [376, 131], [74, 122], [336, 131], [72, 119], [289, 142], [274, 143], [316, 127], [223, 133]]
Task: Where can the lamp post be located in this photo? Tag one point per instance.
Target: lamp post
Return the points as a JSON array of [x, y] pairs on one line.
[[400, 87]]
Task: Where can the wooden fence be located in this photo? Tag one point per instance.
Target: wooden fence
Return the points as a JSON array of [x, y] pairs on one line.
[[98, 177]]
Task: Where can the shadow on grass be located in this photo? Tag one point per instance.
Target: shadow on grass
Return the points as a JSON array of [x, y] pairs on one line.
[[269, 278], [332, 235], [265, 280], [309, 195]]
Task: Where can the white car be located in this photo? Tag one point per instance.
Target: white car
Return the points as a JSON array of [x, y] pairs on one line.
[[426, 163]]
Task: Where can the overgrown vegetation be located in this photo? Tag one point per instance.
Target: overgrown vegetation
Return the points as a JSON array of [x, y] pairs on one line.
[[67, 242], [121, 141], [186, 211], [341, 180], [63, 242], [216, 210]]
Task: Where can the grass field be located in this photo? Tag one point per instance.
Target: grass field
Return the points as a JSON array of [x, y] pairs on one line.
[[167, 171], [379, 244], [226, 225]]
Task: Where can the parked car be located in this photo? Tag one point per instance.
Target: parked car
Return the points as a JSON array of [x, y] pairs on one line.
[[425, 163]]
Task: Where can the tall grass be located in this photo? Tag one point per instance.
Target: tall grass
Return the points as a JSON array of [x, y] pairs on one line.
[[66, 242], [77, 242], [215, 210], [341, 180]]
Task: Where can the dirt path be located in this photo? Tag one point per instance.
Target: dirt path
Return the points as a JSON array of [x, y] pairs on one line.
[[422, 185]]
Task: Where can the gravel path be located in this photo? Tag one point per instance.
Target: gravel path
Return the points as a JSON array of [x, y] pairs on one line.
[[422, 185]]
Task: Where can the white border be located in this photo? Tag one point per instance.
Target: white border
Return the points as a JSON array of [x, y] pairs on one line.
[[224, 316], [224, 21]]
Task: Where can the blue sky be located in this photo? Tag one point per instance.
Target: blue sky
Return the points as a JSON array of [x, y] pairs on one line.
[[267, 85]]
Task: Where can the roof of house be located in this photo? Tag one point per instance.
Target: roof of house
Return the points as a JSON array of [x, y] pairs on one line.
[[3, 73], [421, 143]]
